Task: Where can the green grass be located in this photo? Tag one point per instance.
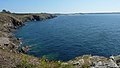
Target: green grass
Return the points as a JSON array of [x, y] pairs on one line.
[[26, 61]]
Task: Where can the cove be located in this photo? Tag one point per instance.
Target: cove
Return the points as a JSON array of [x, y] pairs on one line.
[[68, 36]]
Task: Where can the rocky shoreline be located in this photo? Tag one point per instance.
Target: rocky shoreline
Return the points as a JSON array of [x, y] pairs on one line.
[[9, 22], [11, 57]]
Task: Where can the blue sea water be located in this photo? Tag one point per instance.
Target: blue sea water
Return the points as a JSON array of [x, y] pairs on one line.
[[68, 36]]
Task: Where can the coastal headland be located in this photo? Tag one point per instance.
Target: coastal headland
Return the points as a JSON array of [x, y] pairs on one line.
[[14, 56]]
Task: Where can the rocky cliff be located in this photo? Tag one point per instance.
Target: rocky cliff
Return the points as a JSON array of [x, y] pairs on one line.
[[10, 21]]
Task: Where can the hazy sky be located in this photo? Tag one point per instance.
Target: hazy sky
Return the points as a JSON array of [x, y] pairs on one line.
[[61, 6]]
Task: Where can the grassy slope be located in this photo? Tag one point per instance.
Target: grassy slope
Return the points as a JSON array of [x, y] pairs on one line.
[[9, 60]]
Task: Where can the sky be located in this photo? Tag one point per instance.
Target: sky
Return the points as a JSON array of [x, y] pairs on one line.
[[60, 6]]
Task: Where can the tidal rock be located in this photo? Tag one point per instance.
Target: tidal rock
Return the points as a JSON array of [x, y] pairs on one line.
[[24, 49]]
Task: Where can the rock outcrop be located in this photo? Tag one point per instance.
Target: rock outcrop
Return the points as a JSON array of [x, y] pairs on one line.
[[88, 61]]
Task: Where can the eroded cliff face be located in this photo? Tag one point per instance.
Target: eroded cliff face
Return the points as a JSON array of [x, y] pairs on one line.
[[34, 17], [10, 22]]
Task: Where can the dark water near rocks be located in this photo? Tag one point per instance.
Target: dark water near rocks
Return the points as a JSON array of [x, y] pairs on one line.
[[66, 37]]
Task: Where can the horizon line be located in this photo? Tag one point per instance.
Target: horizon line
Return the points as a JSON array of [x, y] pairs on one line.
[[64, 12]]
